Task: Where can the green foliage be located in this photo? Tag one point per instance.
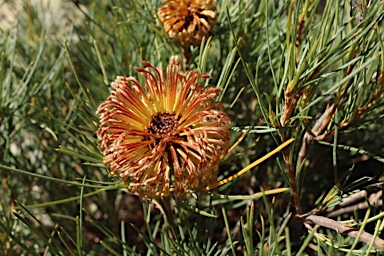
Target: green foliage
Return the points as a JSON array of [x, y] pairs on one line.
[[308, 70]]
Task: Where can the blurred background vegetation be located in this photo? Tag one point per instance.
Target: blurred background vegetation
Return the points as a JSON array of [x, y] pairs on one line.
[[310, 70]]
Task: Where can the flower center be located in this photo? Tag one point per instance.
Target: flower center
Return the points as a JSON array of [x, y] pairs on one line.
[[163, 124]]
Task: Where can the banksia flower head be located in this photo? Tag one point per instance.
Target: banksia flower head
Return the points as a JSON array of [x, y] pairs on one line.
[[165, 137], [188, 21]]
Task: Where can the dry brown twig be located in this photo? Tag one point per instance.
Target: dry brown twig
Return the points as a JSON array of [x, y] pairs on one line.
[[311, 134], [314, 134], [374, 199], [365, 237]]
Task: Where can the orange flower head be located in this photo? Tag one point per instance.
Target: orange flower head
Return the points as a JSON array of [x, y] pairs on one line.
[[166, 137], [188, 21]]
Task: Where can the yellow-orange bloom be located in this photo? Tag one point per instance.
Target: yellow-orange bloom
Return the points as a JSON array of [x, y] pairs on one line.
[[166, 137], [188, 21]]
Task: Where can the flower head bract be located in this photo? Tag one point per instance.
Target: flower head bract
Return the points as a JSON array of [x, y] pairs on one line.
[[165, 137]]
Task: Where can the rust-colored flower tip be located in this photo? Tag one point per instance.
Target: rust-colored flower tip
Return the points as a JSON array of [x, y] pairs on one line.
[[164, 138], [188, 21]]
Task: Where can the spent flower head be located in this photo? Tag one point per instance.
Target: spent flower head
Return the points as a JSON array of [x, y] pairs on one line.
[[166, 137], [188, 21]]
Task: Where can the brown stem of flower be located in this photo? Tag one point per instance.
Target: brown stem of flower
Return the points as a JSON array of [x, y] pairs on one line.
[[299, 30], [309, 136], [320, 124], [292, 181], [289, 106], [290, 103], [339, 227]]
